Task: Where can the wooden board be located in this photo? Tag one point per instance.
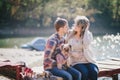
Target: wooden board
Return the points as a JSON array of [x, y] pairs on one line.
[[108, 68]]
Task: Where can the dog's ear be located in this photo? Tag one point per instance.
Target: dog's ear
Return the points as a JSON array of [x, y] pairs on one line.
[[70, 46]]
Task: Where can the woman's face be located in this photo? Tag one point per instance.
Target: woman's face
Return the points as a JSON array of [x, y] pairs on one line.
[[77, 28]]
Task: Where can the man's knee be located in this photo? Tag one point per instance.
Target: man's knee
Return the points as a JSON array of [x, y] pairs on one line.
[[68, 77], [78, 76]]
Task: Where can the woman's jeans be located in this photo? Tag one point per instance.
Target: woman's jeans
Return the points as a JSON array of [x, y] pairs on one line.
[[68, 74], [89, 71]]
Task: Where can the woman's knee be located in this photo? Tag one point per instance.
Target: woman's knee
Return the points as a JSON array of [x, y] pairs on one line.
[[93, 73], [93, 70], [82, 69], [84, 73]]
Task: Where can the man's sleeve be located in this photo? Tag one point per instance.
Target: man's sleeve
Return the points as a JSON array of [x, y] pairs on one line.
[[50, 46]]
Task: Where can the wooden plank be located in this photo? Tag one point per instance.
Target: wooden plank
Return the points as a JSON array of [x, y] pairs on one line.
[[103, 69], [114, 58], [104, 66], [108, 68], [109, 62], [109, 73]]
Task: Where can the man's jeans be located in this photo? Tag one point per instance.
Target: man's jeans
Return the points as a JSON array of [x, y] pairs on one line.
[[68, 74]]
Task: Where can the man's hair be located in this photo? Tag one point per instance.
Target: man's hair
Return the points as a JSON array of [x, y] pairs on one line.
[[60, 22]]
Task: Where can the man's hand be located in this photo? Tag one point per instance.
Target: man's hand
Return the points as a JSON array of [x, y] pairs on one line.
[[59, 66]]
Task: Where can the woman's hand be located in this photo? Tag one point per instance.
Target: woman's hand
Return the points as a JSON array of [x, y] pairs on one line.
[[75, 54]]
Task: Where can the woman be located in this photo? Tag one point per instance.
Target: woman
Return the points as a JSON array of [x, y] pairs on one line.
[[54, 62], [81, 56]]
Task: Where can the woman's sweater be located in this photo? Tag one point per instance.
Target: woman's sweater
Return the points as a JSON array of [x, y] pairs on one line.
[[81, 52]]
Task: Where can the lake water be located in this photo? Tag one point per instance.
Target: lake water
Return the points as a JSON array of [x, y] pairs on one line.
[[104, 46], [107, 46]]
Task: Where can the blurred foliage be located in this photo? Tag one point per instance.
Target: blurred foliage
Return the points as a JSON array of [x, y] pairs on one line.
[[42, 13], [108, 8]]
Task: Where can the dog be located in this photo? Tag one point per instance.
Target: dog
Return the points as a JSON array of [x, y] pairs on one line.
[[65, 49]]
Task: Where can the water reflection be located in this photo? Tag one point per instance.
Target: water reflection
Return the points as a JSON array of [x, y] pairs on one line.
[[106, 46]]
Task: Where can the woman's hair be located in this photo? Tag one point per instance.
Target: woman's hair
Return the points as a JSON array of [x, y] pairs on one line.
[[82, 21], [60, 22]]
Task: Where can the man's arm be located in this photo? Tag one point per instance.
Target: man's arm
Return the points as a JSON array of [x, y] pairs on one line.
[[49, 49]]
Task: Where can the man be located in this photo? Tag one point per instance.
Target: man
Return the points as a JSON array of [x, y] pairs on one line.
[[53, 47]]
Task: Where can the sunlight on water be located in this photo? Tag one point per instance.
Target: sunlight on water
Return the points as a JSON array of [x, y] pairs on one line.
[[106, 46]]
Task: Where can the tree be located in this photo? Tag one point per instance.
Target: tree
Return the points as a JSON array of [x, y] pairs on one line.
[[5, 11], [109, 9], [117, 12]]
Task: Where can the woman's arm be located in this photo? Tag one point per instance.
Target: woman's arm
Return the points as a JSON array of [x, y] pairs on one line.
[[69, 35], [88, 38]]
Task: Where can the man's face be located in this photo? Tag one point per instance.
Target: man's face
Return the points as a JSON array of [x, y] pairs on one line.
[[65, 29]]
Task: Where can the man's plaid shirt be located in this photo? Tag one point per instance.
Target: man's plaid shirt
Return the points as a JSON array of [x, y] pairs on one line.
[[53, 43]]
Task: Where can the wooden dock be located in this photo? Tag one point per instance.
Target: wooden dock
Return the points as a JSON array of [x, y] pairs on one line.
[[107, 68]]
